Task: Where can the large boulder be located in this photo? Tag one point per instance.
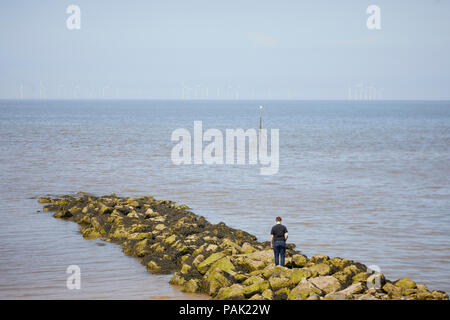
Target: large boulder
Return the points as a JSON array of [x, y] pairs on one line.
[[405, 283], [320, 269], [276, 271], [318, 258], [298, 274], [208, 262], [277, 283], [192, 285], [216, 280], [267, 294], [250, 265], [327, 284], [234, 292], [223, 264], [303, 290], [393, 290], [339, 263], [256, 287], [299, 260], [355, 288], [360, 277]]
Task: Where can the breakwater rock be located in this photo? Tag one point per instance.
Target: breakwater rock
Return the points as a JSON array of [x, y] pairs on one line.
[[220, 261]]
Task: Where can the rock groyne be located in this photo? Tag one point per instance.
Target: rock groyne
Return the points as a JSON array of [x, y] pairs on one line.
[[218, 260]]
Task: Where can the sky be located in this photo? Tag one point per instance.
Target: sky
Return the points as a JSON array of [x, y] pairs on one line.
[[234, 49]]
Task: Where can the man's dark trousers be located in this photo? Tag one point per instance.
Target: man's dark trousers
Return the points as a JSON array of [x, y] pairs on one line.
[[279, 249]]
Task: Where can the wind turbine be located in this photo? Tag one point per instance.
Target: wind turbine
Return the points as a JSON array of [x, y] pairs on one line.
[[41, 90], [59, 93], [103, 90], [21, 91]]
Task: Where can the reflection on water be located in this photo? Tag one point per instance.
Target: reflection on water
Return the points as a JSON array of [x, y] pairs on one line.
[[367, 181]]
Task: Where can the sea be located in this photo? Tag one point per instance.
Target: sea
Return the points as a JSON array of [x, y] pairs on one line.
[[363, 180]]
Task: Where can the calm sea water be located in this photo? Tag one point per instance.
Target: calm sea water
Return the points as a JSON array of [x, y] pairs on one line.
[[368, 181]]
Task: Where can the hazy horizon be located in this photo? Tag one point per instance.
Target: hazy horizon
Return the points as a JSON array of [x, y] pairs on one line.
[[216, 50]]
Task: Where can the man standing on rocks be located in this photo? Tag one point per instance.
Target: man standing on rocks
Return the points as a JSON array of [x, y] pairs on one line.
[[278, 237]]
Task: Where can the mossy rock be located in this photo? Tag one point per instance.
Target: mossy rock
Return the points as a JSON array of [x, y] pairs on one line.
[[141, 248], [216, 280], [252, 290], [303, 290], [185, 268], [197, 260], [192, 285], [276, 271], [343, 277], [119, 233], [256, 287], [360, 277], [177, 279], [299, 260], [327, 284], [253, 279], [223, 264], [320, 269], [152, 266], [250, 265], [405, 283], [355, 288], [170, 240], [208, 262], [105, 210], [45, 200], [257, 297], [298, 274], [74, 210], [282, 294], [234, 292], [90, 233], [133, 203], [138, 236], [160, 227], [63, 214], [318, 258], [277, 283], [339, 263], [267, 294], [248, 248]]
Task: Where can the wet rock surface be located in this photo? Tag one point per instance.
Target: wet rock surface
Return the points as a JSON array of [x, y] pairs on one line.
[[218, 260]]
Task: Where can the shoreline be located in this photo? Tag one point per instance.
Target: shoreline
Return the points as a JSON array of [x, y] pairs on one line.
[[219, 261]]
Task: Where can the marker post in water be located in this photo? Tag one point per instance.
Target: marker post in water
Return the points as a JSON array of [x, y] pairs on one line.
[[260, 123]]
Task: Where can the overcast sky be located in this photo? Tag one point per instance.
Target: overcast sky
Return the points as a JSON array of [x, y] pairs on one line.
[[315, 49]]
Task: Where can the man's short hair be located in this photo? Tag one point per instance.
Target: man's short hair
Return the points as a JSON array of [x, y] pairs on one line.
[[278, 218]]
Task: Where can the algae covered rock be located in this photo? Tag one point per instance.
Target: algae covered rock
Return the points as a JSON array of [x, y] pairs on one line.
[[234, 292], [299, 260], [208, 262], [318, 258], [303, 290], [216, 280], [320, 269], [298, 274], [90, 233], [405, 283], [327, 284], [192, 285], [277, 283], [267, 294], [355, 288]]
